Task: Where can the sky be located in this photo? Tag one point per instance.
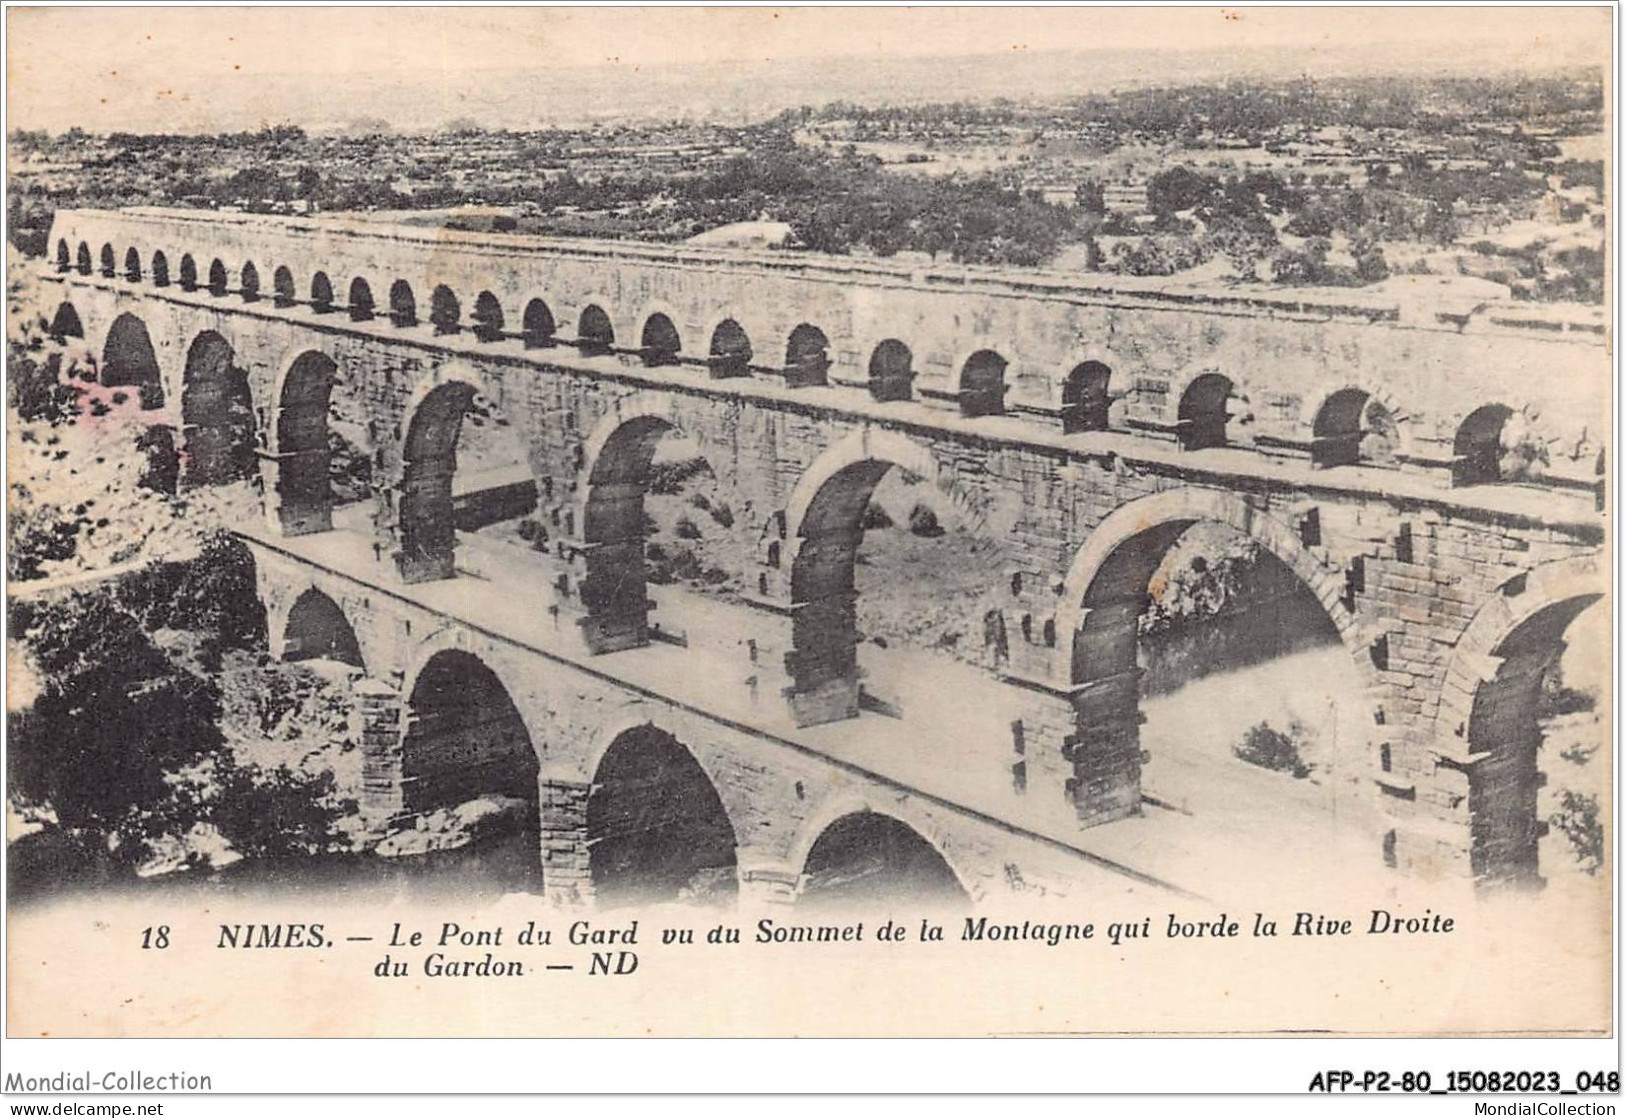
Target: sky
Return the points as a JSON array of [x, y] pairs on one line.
[[105, 68]]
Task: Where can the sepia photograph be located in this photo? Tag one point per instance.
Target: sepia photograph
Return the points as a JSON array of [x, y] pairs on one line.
[[810, 522]]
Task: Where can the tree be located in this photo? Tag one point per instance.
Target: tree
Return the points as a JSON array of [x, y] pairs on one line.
[[116, 724], [1180, 188], [1305, 266], [1370, 265], [1090, 198]]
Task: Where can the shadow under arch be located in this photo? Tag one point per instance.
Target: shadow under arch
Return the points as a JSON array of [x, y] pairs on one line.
[[65, 323], [128, 358], [1491, 703], [217, 415], [656, 827], [1106, 590], [1353, 425], [616, 476], [426, 518], [301, 443], [891, 372], [824, 526], [863, 858], [317, 629], [464, 741]]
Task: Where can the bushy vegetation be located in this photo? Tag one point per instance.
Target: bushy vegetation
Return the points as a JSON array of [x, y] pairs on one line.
[[117, 723], [1579, 820], [276, 811], [1277, 750], [36, 389], [152, 708]]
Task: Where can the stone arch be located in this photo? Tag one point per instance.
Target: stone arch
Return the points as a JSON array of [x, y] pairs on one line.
[[1168, 514], [64, 256], [465, 739], [360, 303], [852, 852], [595, 333], [160, 269], [250, 284], [880, 445], [217, 414], [982, 385], [891, 371], [615, 475], [321, 293], [303, 496], [1107, 588], [219, 278], [445, 311], [403, 304], [1490, 703], [425, 521], [128, 358], [132, 265], [316, 629], [65, 322], [1204, 412], [824, 524], [1086, 398], [730, 350], [109, 261], [806, 356], [283, 291], [659, 343], [1339, 417], [656, 826], [489, 322], [1481, 454], [538, 324], [86, 265]]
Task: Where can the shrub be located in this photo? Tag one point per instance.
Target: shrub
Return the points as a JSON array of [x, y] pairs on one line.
[[161, 468], [668, 478], [1576, 819], [1269, 748], [875, 517], [686, 529], [116, 724], [922, 521], [36, 389], [276, 811], [723, 515]]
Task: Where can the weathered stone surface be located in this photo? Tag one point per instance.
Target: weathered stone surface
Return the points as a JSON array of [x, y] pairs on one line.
[[1422, 581]]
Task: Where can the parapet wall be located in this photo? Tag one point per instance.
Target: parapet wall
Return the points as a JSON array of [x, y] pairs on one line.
[[1431, 361]]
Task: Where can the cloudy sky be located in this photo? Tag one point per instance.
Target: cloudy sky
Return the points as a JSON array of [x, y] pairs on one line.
[[107, 68]]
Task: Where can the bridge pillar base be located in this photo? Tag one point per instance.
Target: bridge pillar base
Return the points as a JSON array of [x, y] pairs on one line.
[[767, 885], [302, 522], [566, 857], [830, 701], [1105, 749], [602, 634], [1425, 851], [378, 715], [295, 487], [421, 567]]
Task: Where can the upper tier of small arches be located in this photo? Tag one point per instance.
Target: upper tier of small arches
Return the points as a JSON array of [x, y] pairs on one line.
[[1349, 426]]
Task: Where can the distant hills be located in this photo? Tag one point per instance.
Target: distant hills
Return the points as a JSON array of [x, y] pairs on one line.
[[732, 93]]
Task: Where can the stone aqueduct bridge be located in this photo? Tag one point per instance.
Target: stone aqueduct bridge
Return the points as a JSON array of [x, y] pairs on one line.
[[1083, 426]]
